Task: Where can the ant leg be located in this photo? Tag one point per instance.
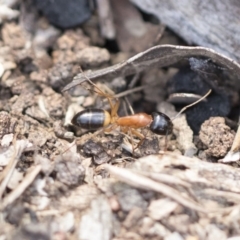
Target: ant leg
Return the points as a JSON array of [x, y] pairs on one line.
[[127, 131], [139, 135], [106, 129], [102, 94], [132, 132], [110, 128], [114, 109], [131, 139], [113, 106], [166, 142]]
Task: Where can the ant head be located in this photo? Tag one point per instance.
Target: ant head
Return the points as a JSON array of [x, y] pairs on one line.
[[161, 124]]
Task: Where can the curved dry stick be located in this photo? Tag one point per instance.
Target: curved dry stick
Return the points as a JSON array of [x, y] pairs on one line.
[[159, 56]]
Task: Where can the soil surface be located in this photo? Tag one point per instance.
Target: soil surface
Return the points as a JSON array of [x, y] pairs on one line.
[[59, 181]]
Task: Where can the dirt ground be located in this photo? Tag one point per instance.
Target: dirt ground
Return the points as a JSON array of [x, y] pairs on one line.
[[58, 181]]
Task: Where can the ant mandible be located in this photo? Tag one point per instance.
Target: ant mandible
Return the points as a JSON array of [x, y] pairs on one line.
[[94, 119]]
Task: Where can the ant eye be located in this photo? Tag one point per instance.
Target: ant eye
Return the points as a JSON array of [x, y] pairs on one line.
[[161, 124]]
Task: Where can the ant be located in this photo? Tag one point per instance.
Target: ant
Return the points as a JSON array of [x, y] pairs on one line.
[[94, 119]]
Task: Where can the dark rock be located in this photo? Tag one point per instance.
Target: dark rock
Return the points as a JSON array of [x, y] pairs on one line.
[[96, 151], [188, 81], [65, 14]]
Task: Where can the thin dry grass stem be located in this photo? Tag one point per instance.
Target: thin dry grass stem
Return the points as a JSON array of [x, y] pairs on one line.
[[8, 171], [165, 178], [136, 89], [117, 160], [219, 193], [51, 212], [124, 106], [11, 166], [134, 80], [234, 154], [42, 106], [129, 105], [194, 103], [236, 142], [171, 180], [145, 183], [17, 192]]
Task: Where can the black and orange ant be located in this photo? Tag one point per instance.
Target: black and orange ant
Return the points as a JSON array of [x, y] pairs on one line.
[[94, 119]]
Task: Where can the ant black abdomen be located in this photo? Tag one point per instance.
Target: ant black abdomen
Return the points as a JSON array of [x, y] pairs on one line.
[[161, 124], [92, 119]]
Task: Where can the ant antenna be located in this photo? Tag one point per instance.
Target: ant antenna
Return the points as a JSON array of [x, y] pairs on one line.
[[192, 104], [99, 91], [93, 84], [87, 78]]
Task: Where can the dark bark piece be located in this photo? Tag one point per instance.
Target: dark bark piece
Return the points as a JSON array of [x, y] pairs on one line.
[[211, 24], [96, 151]]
